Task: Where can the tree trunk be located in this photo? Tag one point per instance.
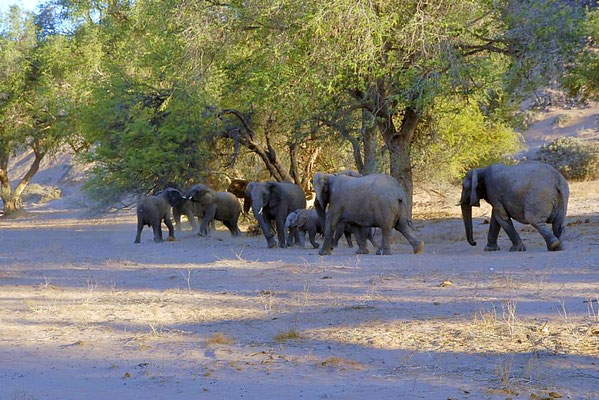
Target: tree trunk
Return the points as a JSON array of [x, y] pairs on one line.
[[370, 164], [399, 144], [12, 200]]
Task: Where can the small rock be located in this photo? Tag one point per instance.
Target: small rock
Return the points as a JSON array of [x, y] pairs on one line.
[[446, 283], [555, 395], [127, 375], [485, 222]]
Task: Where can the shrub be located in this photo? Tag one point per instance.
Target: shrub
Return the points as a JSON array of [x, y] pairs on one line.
[[41, 193], [575, 159]]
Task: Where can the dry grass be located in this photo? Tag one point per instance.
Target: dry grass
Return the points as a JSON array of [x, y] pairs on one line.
[[341, 364], [286, 336], [219, 338]]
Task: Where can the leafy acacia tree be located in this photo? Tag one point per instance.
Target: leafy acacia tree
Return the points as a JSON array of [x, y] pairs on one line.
[[35, 96], [397, 59]]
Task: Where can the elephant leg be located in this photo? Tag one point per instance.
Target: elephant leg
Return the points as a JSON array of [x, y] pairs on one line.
[[157, 228], [171, 230], [209, 213], [558, 226], [493, 234], [312, 235], [360, 235], [332, 221], [405, 230], [385, 247], [280, 223], [553, 243], [300, 238], [347, 234], [232, 227], [338, 232], [140, 227], [370, 237], [192, 221], [508, 227], [177, 216]]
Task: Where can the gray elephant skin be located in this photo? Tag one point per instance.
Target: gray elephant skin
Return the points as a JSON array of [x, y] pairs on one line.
[[155, 209], [375, 200], [303, 221], [530, 193], [213, 205], [273, 201]]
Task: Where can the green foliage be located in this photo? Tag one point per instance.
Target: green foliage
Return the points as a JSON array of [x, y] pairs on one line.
[[583, 77], [575, 159], [459, 137]]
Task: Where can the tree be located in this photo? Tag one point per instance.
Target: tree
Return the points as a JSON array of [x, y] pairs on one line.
[[396, 59], [34, 97]]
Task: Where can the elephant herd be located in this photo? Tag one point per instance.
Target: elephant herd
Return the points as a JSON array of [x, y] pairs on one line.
[[348, 203]]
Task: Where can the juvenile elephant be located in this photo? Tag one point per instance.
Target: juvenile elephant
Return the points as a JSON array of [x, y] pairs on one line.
[[273, 201], [302, 221], [375, 200], [212, 205], [531, 193], [152, 210]]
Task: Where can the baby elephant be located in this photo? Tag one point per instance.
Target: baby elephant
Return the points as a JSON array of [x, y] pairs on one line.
[[220, 206], [299, 222], [152, 210]]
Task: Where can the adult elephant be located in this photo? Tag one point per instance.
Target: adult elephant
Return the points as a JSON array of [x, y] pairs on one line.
[[375, 200], [219, 206], [531, 193], [273, 201]]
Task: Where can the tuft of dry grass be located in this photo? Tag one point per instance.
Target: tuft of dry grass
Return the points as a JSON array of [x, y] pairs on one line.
[[219, 338], [286, 336], [341, 363]]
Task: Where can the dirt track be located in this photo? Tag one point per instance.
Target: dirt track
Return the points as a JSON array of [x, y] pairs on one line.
[[86, 313]]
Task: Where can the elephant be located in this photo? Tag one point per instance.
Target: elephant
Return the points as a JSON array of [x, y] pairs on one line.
[[273, 201], [375, 200], [530, 193], [342, 229], [237, 187], [308, 221], [152, 210], [212, 205], [302, 221]]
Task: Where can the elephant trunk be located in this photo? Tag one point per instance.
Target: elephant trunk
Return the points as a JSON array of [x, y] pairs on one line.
[[467, 216], [289, 232]]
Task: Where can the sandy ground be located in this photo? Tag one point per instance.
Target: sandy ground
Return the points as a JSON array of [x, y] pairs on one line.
[[85, 313]]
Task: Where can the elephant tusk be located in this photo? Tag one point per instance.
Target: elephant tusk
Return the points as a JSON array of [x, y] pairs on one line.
[[260, 212]]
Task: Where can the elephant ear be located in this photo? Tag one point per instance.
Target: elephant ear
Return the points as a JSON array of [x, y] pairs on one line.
[[302, 218], [474, 200], [248, 189], [275, 194], [321, 186]]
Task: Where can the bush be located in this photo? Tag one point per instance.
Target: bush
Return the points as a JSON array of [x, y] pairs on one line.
[[41, 193], [575, 159]]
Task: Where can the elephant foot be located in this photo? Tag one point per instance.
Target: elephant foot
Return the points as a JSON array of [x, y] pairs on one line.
[[418, 249], [556, 245], [136, 241], [283, 245], [326, 252], [171, 239], [157, 240], [271, 243], [383, 252], [363, 251], [315, 246], [492, 247], [518, 247]]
